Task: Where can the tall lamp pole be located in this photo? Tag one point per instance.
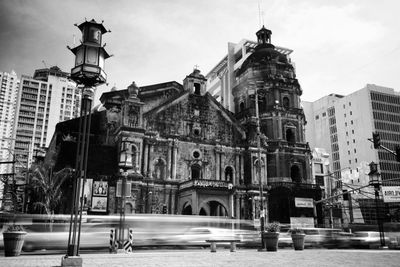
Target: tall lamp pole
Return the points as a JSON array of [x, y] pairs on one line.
[[262, 215], [88, 72], [374, 180], [124, 165]]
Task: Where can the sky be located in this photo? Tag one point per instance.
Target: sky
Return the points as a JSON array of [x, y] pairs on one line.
[[339, 46]]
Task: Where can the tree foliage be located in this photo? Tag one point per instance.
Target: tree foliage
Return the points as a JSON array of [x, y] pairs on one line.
[[46, 187]]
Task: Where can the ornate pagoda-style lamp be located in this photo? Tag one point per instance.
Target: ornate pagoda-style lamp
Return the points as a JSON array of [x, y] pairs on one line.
[[90, 55], [89, 73]]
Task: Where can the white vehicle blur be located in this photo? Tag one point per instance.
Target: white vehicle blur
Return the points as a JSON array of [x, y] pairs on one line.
[[367, 239], [199, 235]]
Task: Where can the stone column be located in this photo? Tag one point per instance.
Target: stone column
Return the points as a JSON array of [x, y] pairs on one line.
[[149, 163], [169, 160], [279, 127], [237, 168], [195, 208], [145, 158], [222, 165], [231, 206], [217, 164], [174, 157], [241, 167]]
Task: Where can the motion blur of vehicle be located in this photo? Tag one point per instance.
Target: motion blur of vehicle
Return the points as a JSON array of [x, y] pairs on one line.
[[367, 239], [51, 232]]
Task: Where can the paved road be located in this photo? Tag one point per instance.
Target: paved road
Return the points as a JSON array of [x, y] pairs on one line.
[[242, 258]]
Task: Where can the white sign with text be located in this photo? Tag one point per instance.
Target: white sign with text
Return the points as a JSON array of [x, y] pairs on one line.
[[391, 193], [303, 202]]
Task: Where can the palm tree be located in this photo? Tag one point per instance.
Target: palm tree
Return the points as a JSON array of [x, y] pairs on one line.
[[46, 186]]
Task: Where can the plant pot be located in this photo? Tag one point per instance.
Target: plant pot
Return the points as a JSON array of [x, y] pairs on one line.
[[298, 241], [271, 241], [13, 242]]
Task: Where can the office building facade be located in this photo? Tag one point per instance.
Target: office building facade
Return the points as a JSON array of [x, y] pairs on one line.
[[343, 124], [9, 86]]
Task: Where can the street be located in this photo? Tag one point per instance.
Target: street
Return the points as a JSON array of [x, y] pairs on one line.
[[203, 257]]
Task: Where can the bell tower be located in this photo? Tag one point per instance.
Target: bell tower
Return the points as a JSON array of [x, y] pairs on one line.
[[195, 83]]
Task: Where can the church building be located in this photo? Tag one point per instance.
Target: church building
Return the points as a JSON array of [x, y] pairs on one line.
[[182, 152]]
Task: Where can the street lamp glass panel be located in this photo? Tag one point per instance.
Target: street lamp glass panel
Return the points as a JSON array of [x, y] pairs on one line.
[[101, 59], [92, 55], [94, 35], [79, 56]]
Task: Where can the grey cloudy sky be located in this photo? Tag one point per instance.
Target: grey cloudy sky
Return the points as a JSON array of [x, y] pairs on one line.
[[339, 46]]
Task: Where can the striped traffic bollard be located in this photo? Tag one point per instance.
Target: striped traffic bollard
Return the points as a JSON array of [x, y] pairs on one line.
[[112, 247], [131, 239], [128, 244]]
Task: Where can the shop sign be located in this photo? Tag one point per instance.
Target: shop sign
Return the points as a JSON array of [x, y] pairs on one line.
[[304, 202], [391, 193], [205, 183]]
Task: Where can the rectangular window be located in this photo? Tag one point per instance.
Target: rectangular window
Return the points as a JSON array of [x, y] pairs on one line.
[[319, 180], [317, 117], [345, 195], [319, 168]]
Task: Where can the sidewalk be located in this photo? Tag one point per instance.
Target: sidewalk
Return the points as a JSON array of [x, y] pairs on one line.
[[242, 258]]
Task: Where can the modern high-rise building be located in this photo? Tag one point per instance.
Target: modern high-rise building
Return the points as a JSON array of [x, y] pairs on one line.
[[9, 85], [343, 124], [44, 100], [8, 98]]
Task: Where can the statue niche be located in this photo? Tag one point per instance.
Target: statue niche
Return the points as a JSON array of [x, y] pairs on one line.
[[132, 116]]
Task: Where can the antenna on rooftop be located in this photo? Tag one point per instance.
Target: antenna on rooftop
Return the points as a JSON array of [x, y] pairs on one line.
[[260, 15], [44, 63]]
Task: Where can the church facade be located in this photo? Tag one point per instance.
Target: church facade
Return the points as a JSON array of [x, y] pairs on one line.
[[182, 152]]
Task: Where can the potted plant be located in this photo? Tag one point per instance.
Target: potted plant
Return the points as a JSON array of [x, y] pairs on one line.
[[298, 238], [271, 236], [13, 239]]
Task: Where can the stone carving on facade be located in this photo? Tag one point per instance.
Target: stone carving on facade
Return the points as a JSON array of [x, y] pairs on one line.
[[132, 118], [113, 116]]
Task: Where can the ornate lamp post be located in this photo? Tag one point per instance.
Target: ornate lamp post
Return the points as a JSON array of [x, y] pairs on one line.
[[89, 73], [375, 181]]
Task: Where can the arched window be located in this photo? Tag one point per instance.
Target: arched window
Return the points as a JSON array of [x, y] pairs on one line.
[[286, 102], [159, 170], [290, 135], [256, 171], [196, 172], [295, 174], [196, 88], [228, 174]]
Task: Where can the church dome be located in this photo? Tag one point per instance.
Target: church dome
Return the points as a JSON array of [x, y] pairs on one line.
[[264, 52]]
